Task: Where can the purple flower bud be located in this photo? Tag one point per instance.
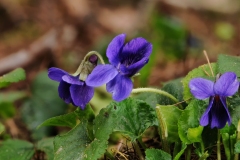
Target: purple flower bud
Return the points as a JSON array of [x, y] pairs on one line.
[[93, 59]]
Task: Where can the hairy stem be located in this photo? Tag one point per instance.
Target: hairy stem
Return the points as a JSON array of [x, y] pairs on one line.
[[162, 131], [154, 90]]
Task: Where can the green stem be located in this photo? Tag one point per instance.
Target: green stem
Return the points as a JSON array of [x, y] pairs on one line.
[[219, 146], [138, 150], [154, 90], [85, 58], [162, 130], [202, 146], [204, 156], [109, 155], [236, 156], [141, 143], [188, 152]]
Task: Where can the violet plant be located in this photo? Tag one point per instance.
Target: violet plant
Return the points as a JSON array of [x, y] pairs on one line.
[[180, 124], [194, 117]]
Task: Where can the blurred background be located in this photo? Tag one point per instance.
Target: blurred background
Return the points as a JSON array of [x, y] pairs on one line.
[[39, 34]]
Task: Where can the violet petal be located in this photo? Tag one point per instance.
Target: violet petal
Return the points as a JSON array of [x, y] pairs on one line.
[[219, 113], [135, 55], [64, 92], [121, 87], [227, 84], [114, 49], [72, 80], [101, 74], [56, 74], [204, 121], [201, 88], [81, 94]]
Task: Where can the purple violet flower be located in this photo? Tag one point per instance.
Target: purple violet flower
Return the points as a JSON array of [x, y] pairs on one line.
[[217, 114], [71, 89], [126, 60]]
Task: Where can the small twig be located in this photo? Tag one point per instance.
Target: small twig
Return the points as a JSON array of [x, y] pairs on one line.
[[120, 153], [205, 71], [119, 146], [182, 102], [205, 53]]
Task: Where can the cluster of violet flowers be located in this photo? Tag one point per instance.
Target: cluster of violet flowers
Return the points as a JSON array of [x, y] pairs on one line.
[[125, 61]]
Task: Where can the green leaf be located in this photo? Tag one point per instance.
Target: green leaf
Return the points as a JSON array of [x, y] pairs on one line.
[[234, 109], [181, 149], [68, 120], [7, 110], [13, 76], [237, 147], [226, 140], [136, 117], [197, 72], [12, 96], [72, 145], [190, 120], [46, 145], [16, 149], [4, 84], [2, 128], [130, 117], [86, 114], [228, 63], [173, 87], [156, 154], [194, 134], [169, 115], [228, 129], [43, 104], [149, 97]]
